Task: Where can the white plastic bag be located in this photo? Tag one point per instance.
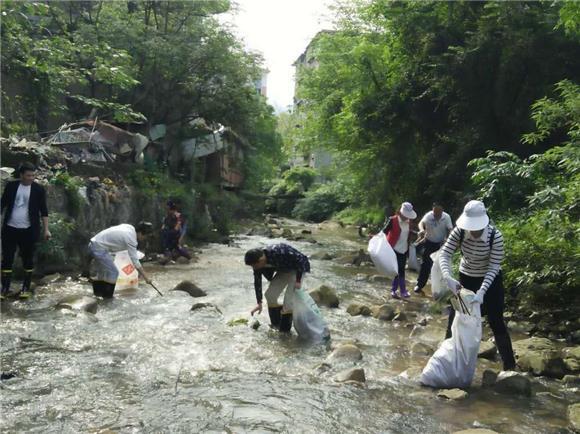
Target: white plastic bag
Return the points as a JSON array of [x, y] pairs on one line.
[[383, 255], [308, 320], [128, 275], [453, 364], [439, 286], [413, 261]]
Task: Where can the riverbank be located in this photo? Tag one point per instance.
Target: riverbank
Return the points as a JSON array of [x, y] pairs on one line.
[[149, 363]]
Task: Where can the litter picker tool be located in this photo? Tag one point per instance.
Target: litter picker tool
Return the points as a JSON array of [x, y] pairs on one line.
[[155, 288]]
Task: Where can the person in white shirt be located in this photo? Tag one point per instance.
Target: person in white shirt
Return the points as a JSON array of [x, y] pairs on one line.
[[397, 232], [110, 241], [434, 228], [482, 251], [24, 208]]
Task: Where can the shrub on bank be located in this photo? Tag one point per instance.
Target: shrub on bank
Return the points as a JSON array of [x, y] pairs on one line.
[[56, 252], [358, 216], [542, 236], [320, 204], [284, 195]]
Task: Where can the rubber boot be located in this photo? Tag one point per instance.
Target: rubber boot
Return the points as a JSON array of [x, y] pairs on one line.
[[275, 314], [26, 291], [108, 290], [394, 287], [6, 279], [98, 288], [504, 346], [286, 322], [403, 285]]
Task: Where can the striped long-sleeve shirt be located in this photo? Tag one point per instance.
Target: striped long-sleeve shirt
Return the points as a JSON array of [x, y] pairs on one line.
[[478, 259]]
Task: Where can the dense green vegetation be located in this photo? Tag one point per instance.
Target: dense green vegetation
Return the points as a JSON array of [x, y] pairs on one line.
[[407, 93], [144, 61], [536, 202], [447, 101]]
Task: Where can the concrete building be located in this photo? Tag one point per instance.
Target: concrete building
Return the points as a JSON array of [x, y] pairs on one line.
[[318, 157], [261, 85]]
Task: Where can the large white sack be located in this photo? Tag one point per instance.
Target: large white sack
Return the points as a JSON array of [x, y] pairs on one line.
[[453, 364], [383, 255], [128, 275], [413, 260], [438, 284], [308, 320]]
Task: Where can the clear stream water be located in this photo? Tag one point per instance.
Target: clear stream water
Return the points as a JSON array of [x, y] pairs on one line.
[[145, 363]]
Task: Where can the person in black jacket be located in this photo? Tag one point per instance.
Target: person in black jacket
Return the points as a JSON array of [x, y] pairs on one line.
[[284, 267], [23, 207]]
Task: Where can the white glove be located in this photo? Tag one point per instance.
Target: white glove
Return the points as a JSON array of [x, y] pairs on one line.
[[479, 297], [453, 285]]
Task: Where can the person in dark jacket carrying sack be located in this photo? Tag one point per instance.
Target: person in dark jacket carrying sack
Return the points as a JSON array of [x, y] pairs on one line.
[[482, 251], [284, 267], [397, 231], [23, 207]]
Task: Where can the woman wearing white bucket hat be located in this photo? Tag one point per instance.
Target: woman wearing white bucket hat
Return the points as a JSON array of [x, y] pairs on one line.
[[397, 231], [482, 251]]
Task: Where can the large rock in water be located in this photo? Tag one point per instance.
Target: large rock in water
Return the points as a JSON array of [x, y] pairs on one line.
[[355, 309], [422, 349], [79, 302], [324, 256], [383, 312], [540, 356], [489, 378], [452, 394], [379, 278], [346, 352], [354, 374], [574, 416], [487, 350], [572, 358], [513, 383], [191, 288], [355, 258], [198, 306], [325, 296]]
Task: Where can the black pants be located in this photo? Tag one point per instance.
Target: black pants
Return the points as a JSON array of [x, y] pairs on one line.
[[25, 241], [493, 307], [22, 239], [401, 263], [429, 248]]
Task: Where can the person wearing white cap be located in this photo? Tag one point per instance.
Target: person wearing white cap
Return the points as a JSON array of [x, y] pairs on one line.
[[482, 251], [397, 231]]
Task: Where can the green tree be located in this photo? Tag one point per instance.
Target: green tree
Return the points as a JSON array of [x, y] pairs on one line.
[[409, 92], [536, 202]]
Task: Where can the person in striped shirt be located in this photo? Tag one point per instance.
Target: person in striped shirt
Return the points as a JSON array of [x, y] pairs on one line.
[[482, 251]]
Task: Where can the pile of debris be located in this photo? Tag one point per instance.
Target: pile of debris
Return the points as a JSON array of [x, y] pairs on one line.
[[98, 141], [87, 141]]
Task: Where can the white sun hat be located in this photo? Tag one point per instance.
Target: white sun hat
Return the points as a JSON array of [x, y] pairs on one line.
[[474, 217], [408, 211]]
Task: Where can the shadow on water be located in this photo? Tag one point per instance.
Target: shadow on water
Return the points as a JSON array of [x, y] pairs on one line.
[[145, 363]]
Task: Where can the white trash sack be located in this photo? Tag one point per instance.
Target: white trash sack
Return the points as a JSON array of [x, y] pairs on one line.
[[308, 320], [128, 275], [453, 364], [439, 288], [413, 263], [383, 255]]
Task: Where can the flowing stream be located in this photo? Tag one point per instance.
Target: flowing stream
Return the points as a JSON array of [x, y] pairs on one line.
[[145, 363]]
